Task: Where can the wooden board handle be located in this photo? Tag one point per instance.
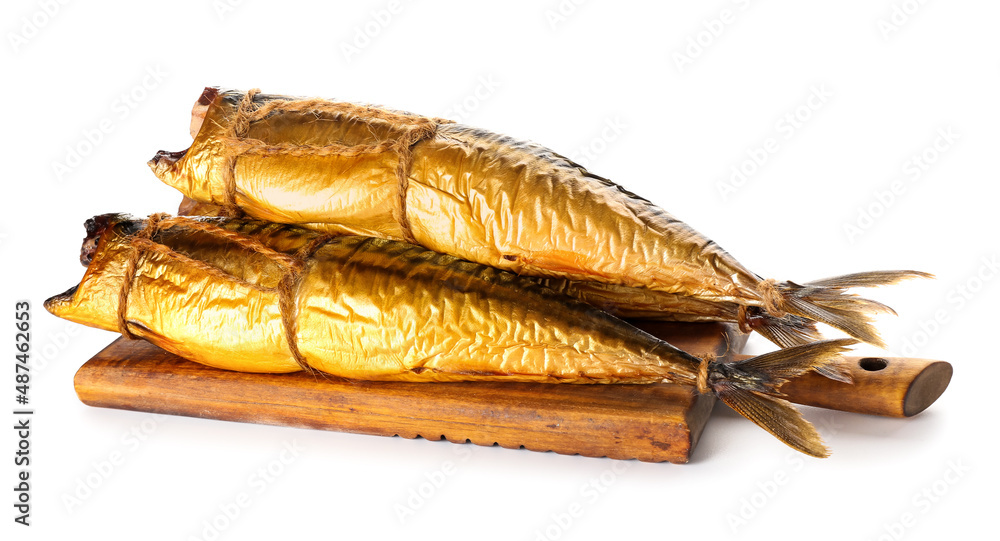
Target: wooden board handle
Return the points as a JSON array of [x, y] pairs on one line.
[[889, 386]]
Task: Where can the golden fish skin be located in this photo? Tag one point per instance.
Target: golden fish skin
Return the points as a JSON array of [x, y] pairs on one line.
[[473, 194], [649, 304], [213, 290], [365, 308], [488, 198], [641, 303]]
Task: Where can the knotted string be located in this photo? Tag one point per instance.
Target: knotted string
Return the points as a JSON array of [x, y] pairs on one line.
[[702, 381], [287, 288], [773, 301], [414, 129]]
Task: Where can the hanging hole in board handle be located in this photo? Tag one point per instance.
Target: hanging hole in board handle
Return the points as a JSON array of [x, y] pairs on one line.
[[873, 364]]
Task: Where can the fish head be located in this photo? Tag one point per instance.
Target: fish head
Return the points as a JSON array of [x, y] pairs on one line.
[[200, 109], [94, 300], [197, 171], [96, 227], [164, 164], [60, 305]]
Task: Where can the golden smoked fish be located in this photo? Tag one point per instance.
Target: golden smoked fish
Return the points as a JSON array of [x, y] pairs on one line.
[[641, 303], [361, 170], [255, 296]]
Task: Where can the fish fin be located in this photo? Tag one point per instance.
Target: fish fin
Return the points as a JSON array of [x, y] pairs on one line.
[[785, 332], [776, 367], [869, 279], [856, 304], [857, 324], [751, 386], [836, 373], [821, 358], [827, 301], [777, 416]]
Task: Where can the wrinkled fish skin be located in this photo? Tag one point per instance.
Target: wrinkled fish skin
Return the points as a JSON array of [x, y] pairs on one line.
[[490, 199], [473, 194], [366, 309], [377, 309], [639, 303], [550, 217]]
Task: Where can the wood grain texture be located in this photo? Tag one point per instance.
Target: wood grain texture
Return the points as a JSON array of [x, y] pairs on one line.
[[888, 386], [651, 423]]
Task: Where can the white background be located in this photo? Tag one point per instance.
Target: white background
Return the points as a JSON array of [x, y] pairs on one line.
[[661, 115]]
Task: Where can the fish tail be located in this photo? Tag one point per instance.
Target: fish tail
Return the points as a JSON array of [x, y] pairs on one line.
[[785, 332], [827, 301], [750, 387]]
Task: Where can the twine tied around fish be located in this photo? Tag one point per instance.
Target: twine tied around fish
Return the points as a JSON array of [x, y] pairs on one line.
[[411, 130], [702, 380], [142, 242]]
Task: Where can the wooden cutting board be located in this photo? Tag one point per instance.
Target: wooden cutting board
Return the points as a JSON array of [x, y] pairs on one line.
[[652, 423]]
